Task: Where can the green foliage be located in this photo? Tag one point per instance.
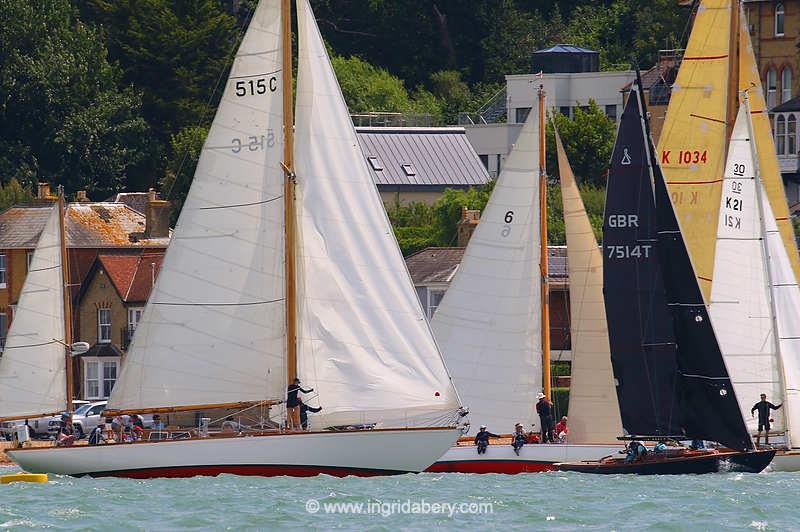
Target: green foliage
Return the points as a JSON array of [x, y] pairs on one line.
[[588, 139], [185, 147], [560, 398], [594, 199], [13, 193], [448, 208], [63, 115], [560, 369]]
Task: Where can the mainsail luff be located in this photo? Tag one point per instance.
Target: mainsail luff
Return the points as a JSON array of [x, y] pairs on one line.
[[363, 339], [32, 369], [66, 296], [594, 409], [489, 322], [543, 255], [213, 331], [742, 308]]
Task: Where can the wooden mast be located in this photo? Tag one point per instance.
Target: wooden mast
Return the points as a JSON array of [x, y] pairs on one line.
[[733, 74], [543, 266], [288, 194], [62, 215]]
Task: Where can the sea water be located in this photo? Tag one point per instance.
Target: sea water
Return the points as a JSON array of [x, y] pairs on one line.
[[550, 501]]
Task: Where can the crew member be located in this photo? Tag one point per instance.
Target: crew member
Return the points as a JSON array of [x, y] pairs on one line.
[[763, 407], [293, 404], [482, 439]]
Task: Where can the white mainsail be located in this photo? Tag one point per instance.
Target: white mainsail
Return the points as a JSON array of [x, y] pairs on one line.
[[363, 340], [488, 324], [32, 367], [740, 296], [213, 331], [593, 407]]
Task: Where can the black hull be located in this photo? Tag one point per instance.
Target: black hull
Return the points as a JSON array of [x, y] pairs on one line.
[[745, 462]]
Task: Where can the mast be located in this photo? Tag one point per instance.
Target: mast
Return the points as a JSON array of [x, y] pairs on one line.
[[67, 297], [543, 266], [733, 74], [288, 194], [765, 257]]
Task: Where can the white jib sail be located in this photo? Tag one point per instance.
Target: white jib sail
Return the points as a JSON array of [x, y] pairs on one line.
[[593, 407], [213, 330], [32, 367], [740, 305], [786, 297], [363, 341], [488, 324]]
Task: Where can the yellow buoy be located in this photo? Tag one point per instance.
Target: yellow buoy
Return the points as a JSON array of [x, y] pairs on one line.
[[23, 477]]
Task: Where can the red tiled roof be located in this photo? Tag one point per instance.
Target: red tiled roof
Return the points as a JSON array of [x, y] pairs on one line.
[[132, 274]]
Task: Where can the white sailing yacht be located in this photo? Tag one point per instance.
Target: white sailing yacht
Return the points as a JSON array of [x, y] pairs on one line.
[[276, 270], [490, 322], [755, 300]]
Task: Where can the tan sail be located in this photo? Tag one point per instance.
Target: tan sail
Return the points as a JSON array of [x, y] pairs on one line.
[[693, 142], [593, 408]]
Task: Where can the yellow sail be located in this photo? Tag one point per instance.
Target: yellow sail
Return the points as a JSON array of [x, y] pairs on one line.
[[593, 407], [692, 145], [769, 169], [693, 141]]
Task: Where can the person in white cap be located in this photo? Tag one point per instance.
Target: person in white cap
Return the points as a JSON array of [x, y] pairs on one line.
[[545, 410], [482, 439], [519, 438]]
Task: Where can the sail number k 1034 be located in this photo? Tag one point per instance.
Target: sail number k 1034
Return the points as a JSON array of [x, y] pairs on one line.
[[251, 87], [684, 157]]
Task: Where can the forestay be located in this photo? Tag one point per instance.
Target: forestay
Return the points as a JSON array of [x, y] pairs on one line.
[[489, 322], [594, 410], [213, 330], [32, 366], [740, 305], [363, 340]]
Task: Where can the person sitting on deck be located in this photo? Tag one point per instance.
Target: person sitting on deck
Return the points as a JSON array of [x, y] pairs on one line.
[[137, 426], [519, 438], [229, 426], [482, 439], [304, 410], [97, 436], [66, 432], [561, 430], [763, 407], [636, 451]]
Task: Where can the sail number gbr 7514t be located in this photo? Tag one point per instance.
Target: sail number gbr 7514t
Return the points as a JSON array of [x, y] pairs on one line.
[[626, 251]]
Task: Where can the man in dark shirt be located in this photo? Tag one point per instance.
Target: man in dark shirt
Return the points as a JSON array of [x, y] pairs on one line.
[[763, 407], [304, 410], [293, 404], [545, 410], [482, 439]]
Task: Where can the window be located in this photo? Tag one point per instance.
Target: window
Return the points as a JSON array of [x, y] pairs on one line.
[[374, 163], [100, 374], [611, 112], [434, 298], [409, 169], [2, 270], [780, 135], [134, 315], [522, 114], [104, 325], [779, 17], [3, 330], [772, 82], [791, 135], [564, 110], [30, 259], [485, 160], [786, 84]]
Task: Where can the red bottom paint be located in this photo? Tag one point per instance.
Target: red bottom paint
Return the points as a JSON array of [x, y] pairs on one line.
[[505, 467], [244, 470]]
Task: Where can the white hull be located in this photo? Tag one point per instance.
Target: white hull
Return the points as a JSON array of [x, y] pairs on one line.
[[786, 461], [533, 458], [364, 453]]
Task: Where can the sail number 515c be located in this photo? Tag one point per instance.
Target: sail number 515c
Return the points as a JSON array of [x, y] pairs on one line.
[[251, 87]]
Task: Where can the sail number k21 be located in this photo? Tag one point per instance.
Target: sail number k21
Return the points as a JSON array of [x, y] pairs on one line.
[[251, 87]]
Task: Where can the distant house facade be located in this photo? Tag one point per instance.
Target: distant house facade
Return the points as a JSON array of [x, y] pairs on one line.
[[416, 164], [93, 230], [432, 270]]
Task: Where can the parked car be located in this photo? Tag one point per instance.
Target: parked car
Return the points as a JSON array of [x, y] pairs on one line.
[[88, 416], [38, 427]]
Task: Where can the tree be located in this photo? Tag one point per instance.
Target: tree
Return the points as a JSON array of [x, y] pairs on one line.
[[13, 194], [185, 147], [63, 116], [588, 139]]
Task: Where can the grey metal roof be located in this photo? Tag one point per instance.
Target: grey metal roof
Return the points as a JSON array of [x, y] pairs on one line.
[[787, 106], [432, 156], [566, 49]]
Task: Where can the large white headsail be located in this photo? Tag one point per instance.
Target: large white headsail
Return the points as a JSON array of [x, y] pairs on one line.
[[593, 407], [740, 306], [32, 367], [213, 331], [786, 297], [488, 324], [363, 341]]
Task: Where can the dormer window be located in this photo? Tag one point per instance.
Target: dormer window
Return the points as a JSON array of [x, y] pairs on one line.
[[374, 163], [409, 170]]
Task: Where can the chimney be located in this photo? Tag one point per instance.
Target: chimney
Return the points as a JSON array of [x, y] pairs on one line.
[[43, 191], [81, 196], [467, 224], [156, 217]]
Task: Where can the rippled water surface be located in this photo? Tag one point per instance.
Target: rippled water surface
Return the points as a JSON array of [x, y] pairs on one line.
[[552, 501]]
